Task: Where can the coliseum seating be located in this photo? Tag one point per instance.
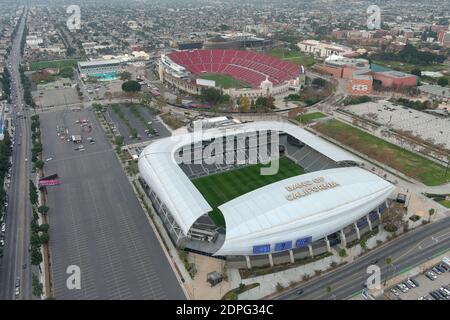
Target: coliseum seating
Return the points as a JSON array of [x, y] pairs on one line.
[[245, 66]]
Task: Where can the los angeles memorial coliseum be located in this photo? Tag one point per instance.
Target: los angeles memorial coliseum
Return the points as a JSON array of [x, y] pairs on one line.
[[262, 75], [321, 195]]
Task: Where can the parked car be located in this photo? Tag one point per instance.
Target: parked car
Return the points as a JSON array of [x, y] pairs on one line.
[[395, 292], [415, 282], [410, 283], [436, 270], [430, 275], [438, 267]]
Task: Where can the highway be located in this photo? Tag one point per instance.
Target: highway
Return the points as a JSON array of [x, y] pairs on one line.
[[407, 251], [15, 262]]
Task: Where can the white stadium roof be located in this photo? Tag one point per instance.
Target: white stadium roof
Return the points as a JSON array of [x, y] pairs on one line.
[[266, 215], [159, 169]]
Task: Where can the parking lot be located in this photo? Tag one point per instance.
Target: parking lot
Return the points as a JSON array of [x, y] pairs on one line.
[[96, 221], [55, 97], [143, 133], [433, 284], [429, 127]]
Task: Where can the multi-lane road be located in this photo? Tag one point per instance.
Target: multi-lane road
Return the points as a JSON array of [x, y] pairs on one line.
[[409, 250], [15, 262]]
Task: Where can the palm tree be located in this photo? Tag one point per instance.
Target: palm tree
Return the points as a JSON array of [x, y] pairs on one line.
[[430, 213], [388, 262], [328, 290]]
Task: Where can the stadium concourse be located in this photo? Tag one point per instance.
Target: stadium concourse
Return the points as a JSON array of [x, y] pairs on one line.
[[265, 74], [331, 200]]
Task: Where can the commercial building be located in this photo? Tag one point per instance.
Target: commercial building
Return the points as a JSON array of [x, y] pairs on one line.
[[100, 69], [324, 49], [361, 75]]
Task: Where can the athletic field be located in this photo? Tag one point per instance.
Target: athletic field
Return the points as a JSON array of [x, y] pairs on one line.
[[295, 57], [39, 65], [224, 80], [223, 187]]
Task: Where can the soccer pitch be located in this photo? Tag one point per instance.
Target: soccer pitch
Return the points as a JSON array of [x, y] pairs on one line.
[[223, 187], [224, 80]]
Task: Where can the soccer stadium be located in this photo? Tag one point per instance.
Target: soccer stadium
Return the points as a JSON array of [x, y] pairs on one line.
[[214, 197], [254, 74]]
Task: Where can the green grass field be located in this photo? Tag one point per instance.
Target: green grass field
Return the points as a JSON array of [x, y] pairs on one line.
[[292, 56], [407, 67], [309, 117], [224, 80], [39, 65], [409, 163], [223, 187], [445, 203]]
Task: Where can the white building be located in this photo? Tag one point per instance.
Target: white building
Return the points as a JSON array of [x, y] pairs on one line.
[[323, 49], [284, 217], [33, 41]]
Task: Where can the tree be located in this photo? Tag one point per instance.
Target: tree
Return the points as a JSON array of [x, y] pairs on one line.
[[118, 140], [328, 290], [97, 106], [36, 256], [44, 227], [71, 51], [319, 82], [244, 104], [388, 262], [261, 103], [211, 95], [39, 164], [33, 193], [416, 72], [430, 214], [35, 240], [443, 82], [393, 217], [44, 238], [270, 102], [363, 244], [37, 286], [43, 209], [131, 86], [125, 76]]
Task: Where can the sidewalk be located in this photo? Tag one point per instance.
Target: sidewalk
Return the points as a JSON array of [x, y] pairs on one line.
[[268, 283]]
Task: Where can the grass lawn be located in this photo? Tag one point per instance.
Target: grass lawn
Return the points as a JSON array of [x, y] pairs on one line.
[[445, 203], [224, 80], [407, 67], [39, 65], [172, 121], [234, 293], [309, 117], [292, 56], [223, 187], [411, 164]]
